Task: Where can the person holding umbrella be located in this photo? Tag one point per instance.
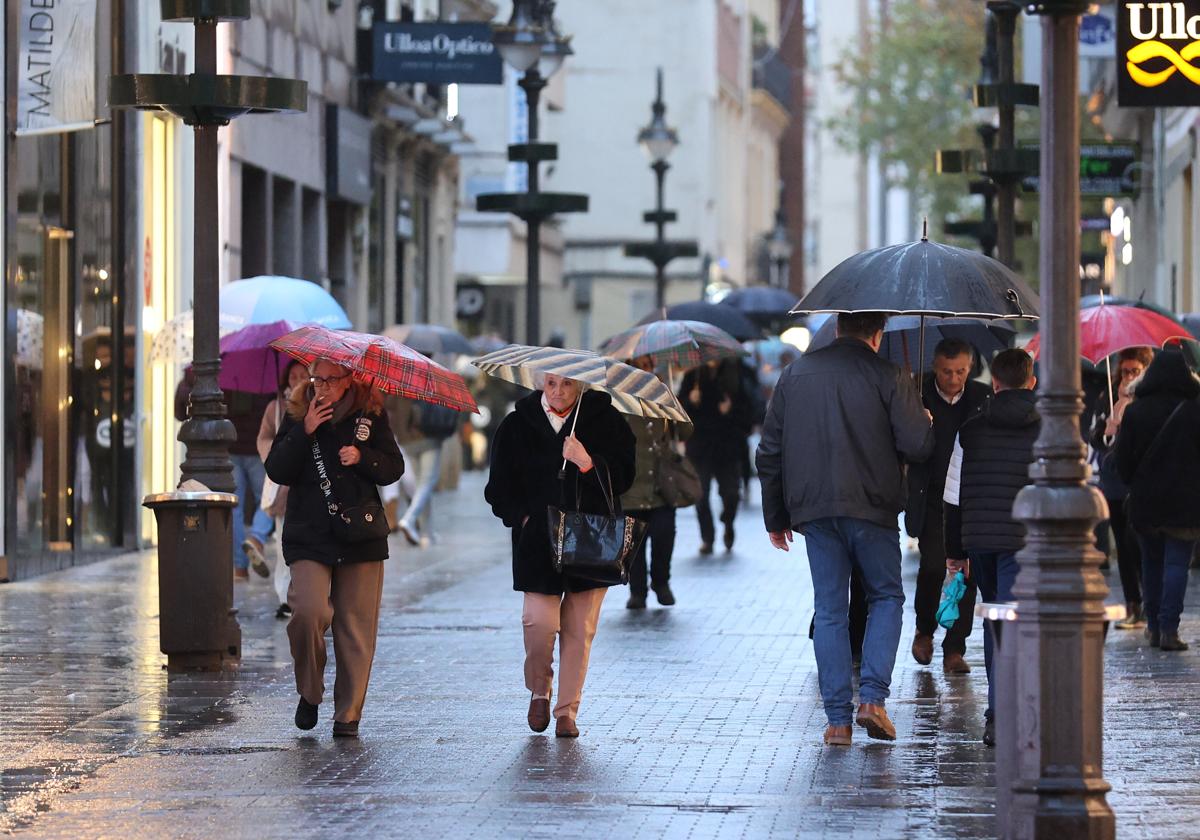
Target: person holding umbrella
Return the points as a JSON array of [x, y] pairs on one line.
[[333, 448], [560, 443], [840, 425], [1106, 424]]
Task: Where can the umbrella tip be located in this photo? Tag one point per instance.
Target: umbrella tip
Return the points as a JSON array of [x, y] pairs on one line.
[[925, 229]]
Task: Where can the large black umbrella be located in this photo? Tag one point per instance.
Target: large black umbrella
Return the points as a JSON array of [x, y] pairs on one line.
[[725, 317], [903, 336], [430, 338], [761, 303], [923, 278]]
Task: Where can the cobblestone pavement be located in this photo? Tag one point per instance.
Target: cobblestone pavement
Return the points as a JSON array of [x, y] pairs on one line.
[[701, 720]]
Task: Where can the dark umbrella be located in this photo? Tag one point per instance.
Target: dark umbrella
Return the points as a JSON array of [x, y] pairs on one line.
[[923, 278], [902, 336], [481, 345], [725, 317], [430, 338], [761, 303]]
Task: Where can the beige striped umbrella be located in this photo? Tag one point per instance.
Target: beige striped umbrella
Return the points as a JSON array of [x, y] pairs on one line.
[[633, 391]]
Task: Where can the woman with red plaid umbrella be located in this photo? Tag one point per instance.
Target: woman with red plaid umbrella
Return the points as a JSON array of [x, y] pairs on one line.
[[332, 450]]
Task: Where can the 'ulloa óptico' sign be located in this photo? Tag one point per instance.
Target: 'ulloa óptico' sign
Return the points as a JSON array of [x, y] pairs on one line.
[[1158, 54], [439, 53]]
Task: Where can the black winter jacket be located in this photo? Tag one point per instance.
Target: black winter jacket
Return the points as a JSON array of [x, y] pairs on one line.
[[1160, 494], [839, 427], [307, 532], [927, 480], [997, 449], [526, 458]]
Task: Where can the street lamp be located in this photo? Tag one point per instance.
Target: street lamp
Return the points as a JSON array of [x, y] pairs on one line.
[[779, 248], [1058, 788], [531, 44], [658, 140]]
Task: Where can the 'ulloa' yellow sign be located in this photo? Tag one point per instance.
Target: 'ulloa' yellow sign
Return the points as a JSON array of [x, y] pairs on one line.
[[1158, 54]]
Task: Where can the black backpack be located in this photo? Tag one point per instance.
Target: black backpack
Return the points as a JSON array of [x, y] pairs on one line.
[[437, 422]]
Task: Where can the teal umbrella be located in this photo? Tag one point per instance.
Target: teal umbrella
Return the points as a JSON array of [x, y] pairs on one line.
[[947, 612]]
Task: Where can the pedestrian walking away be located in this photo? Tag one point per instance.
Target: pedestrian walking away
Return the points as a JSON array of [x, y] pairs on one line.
[[527, 476], [711, 395], [1106, 423], [1158, 458], [648, 501], [245, 410], [333, 448], [294, 376], [422, 431], [989, 466], [951, 396], [840, 425]]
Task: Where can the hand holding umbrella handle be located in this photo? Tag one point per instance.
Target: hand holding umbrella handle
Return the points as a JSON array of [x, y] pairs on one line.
[[562, 471]]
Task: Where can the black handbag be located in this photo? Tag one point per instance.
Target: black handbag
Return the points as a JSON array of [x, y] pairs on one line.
[[354, 523], [594, 547], [678, 480]]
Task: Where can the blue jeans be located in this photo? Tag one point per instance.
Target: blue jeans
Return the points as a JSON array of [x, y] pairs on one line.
[[425, 461], [1165, 562], [995, 572], [248, 475], [835, 546]]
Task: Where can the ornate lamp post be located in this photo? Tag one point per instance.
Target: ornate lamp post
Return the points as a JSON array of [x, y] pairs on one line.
[[1058, 788], [659, 140], [531, 44], [198, 627], [779, 249]]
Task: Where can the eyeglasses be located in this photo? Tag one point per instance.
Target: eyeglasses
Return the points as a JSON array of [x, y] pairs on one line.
[[318, 381], [1130, 372]]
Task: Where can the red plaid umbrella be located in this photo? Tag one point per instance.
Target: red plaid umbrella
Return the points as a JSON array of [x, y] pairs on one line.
[[381, 363]]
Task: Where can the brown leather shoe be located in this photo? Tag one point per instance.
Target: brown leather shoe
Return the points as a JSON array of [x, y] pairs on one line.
[[922, 649], [539, 714], [953, 663], [875, 720], [838, 736], [564, 727]]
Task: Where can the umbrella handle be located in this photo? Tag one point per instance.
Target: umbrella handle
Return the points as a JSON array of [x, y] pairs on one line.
[[562, 471]]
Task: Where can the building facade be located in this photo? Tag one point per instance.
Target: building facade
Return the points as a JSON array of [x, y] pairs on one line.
[[723, 180]]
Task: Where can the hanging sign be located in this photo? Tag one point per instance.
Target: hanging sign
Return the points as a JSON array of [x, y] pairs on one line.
[[1158, 54], [56, 71], [438, 53]]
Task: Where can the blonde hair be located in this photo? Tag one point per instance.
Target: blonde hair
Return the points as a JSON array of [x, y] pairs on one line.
[[366, 398]]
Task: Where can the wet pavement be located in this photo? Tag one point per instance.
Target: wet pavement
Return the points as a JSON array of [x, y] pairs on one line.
[[702, 720]]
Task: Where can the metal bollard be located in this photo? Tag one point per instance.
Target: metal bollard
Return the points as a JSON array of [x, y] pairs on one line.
[[1003, 617], [197, 622]]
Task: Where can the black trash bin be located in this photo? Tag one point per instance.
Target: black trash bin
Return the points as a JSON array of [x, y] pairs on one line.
[[197, 622]]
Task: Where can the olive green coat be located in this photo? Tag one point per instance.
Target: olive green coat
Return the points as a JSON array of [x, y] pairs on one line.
[[654, 440]]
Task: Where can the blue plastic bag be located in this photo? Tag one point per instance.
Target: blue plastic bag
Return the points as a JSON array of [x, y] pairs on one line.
[[952, 593]]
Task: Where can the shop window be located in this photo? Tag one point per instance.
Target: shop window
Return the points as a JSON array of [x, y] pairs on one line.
[[255, 221], [283, 227], [312, 238]]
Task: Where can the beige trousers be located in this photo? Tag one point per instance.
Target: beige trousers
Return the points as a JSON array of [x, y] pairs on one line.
[[573, 618], [347, 598]]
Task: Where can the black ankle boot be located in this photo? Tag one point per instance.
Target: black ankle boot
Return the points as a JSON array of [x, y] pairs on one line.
[[306, 715], [1171, 641]]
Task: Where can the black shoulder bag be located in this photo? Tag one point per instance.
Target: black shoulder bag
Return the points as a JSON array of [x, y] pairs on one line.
[[595, 547], [350, 524]]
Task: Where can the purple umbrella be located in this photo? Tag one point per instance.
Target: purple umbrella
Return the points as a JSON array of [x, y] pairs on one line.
[[248, 363]]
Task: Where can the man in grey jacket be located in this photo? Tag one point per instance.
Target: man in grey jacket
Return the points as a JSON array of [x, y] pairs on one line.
[[839, 428]]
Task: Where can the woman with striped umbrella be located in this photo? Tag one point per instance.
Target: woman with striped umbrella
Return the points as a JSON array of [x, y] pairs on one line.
[[565, 444]]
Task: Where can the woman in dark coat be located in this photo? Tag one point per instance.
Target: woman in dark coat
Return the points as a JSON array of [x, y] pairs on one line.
[[527, 453], [1158, 457], [333, 582], [1130, 365]]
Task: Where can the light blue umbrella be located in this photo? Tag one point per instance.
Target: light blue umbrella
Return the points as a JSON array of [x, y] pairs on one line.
[[265, 300]]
